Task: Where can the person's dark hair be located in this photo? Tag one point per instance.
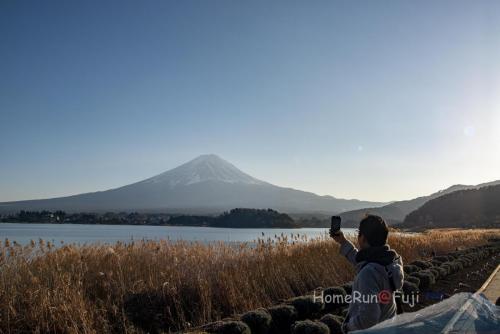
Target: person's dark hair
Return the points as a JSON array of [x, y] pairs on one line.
[[374, 229]]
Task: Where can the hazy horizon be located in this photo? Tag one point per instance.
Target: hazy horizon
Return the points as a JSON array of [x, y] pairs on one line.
[[378, 101], [147, 177]]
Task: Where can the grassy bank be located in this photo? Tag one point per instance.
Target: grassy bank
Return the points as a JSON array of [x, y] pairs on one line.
[[100, 288]]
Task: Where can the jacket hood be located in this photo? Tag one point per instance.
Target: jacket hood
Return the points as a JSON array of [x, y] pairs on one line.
[[395, 271], [387, 261], [382, 255]]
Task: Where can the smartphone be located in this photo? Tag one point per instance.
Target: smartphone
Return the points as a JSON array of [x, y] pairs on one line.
[[335, 226]]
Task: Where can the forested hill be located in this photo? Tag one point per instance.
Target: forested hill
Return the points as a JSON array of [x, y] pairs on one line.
[[239, 218], [465, 208], [396, 212]]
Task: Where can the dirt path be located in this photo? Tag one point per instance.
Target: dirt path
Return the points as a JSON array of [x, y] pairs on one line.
[[492, 288]]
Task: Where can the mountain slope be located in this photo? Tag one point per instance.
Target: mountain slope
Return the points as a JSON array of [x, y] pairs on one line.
[[204, 184], [464, 208], [396, 212]]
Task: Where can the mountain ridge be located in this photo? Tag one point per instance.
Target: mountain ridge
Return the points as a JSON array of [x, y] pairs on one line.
[[207, 183], [474, 207], [395, 212]]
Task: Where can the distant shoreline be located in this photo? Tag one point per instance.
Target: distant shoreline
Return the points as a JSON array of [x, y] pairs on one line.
[[235, 218], [166, 225]]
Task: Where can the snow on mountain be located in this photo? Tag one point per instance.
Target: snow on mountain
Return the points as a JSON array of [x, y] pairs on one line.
[[209, 167]]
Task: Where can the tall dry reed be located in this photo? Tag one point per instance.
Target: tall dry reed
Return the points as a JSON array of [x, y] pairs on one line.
[[99, 288]]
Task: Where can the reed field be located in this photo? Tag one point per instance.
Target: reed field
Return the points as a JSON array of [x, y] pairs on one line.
[[102, 288]]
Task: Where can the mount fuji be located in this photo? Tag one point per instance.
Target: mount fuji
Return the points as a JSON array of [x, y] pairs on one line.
[[205, 184]]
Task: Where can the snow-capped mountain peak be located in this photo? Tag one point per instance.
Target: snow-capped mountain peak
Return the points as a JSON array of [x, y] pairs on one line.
[[208, 167], [204, 184]]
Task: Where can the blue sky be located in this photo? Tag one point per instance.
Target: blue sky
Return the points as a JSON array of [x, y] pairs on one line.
[[377, 100]]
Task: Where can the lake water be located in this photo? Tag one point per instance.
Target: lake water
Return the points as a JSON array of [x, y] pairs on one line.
[[80, 233]]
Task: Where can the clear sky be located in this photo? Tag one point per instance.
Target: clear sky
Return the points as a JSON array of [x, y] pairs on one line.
[[376, 100]]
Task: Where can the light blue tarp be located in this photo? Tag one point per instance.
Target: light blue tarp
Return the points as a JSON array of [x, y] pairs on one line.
[[461, 313]]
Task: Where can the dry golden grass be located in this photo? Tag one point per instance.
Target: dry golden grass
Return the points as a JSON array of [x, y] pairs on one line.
[[89, 289]]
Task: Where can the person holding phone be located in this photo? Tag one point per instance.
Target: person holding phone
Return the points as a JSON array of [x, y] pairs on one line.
[[379, 271]]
